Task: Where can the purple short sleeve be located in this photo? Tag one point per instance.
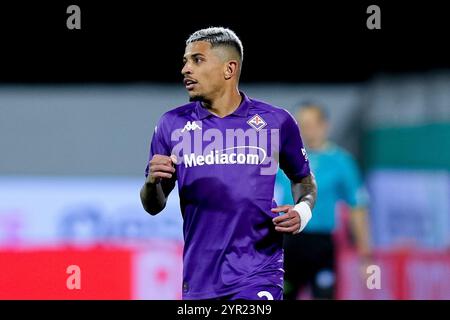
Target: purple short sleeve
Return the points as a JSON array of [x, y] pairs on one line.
[[293, 157]]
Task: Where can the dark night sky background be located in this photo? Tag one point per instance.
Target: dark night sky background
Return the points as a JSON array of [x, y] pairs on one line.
[[283, 41]]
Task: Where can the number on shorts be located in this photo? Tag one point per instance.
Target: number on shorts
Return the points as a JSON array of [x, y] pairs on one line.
[[266, 294]]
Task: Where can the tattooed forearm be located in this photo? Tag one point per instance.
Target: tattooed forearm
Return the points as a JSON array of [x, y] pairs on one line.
[[305, 190]]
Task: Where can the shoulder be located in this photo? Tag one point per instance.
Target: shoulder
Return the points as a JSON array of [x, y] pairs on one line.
[[279, 113], [341, 152], [174, 117], [341, 155]]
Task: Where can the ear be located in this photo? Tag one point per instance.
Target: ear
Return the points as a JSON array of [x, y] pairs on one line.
[[231, 69]]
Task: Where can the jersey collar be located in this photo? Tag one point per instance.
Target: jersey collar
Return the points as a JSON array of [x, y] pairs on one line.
[[241, 111]]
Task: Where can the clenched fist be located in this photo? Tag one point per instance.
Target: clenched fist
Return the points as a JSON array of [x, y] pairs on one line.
[[161, 167]]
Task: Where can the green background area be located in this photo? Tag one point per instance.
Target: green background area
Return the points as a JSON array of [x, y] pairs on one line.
[[424, 146]]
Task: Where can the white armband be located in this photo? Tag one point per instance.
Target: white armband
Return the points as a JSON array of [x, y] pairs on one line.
[[304, 211]]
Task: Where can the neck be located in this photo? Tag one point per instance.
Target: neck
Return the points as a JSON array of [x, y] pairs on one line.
[[224, 103]]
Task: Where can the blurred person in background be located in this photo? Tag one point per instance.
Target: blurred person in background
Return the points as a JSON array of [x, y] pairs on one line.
[[310, 255]]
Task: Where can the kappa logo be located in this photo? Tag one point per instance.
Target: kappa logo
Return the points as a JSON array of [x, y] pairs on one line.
[[190, 126], [256, 122]]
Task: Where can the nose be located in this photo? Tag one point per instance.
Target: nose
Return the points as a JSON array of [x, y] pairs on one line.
[[186, 69]]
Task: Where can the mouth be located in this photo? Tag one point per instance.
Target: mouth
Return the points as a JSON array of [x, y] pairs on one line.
[[189, 83]]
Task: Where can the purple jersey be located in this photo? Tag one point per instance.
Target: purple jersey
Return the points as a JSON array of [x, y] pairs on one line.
[[226, 175]]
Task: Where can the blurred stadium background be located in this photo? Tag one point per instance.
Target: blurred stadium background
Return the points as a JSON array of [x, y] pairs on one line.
[[77, 112]]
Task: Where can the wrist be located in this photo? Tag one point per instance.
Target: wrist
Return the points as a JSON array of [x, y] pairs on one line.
[[152, 182], [305, 214]]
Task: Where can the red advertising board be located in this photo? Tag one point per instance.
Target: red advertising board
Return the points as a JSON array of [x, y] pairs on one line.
[[47, 274]]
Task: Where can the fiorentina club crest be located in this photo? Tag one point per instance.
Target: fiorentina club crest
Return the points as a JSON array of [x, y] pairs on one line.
[[256, 122]]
